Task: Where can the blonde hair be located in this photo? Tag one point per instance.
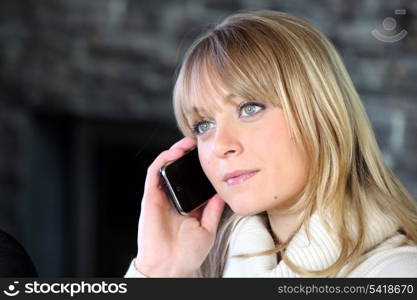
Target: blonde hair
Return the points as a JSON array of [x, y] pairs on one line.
[[284, 60]]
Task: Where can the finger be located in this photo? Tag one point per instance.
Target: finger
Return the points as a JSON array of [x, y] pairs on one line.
[[176, 151], [197, 213], [153, 178], [212, 213], [185, 143]]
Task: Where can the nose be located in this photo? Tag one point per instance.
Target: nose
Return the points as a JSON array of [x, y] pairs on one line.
[[227, 141]]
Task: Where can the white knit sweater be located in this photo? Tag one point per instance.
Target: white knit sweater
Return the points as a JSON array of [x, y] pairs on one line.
[[382, 259]]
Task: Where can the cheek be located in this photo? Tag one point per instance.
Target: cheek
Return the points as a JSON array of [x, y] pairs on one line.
[[291, 172], [270, 135], [205, 161]]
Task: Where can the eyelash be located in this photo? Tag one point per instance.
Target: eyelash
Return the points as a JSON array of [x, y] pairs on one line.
[[239, 109]]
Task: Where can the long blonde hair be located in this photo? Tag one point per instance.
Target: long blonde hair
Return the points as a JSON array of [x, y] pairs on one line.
[[283, 59]]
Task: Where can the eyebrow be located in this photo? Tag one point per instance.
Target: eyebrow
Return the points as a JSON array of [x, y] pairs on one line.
[[202, 111]]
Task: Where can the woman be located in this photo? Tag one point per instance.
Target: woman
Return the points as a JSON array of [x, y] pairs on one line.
[[266, 94]]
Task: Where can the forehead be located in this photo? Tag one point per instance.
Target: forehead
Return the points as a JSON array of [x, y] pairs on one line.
[[207, 94], [210, 83], [212, 104]]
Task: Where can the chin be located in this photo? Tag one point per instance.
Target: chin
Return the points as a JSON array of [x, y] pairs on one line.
[[242, 203], [244, 210]]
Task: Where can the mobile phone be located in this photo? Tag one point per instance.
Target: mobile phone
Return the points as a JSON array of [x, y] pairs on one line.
[[186, 184]]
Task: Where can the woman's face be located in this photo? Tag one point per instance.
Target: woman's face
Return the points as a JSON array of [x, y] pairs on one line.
[[246, 151]]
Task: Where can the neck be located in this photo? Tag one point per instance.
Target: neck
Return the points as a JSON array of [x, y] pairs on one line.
[[283, 225]]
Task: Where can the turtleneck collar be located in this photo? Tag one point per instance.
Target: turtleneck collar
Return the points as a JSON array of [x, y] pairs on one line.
[[252, 236]]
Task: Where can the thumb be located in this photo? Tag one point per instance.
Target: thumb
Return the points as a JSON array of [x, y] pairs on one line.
[[212, 213]]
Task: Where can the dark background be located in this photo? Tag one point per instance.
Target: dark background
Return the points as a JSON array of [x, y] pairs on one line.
[[85, 106]]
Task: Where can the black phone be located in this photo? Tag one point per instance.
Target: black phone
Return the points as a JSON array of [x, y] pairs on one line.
[[186, 184]]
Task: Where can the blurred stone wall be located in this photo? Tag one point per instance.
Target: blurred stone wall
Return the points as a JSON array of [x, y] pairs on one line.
[[116, 60]]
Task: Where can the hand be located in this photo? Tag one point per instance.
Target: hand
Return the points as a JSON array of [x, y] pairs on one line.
[[169, 244]]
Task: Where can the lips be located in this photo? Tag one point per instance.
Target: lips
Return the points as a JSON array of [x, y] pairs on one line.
[[239, 176]]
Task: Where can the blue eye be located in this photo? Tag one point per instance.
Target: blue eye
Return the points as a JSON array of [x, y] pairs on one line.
[[202, 126], [250, 109]]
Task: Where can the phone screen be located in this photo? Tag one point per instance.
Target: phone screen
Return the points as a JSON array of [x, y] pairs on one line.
[[186, 184]]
